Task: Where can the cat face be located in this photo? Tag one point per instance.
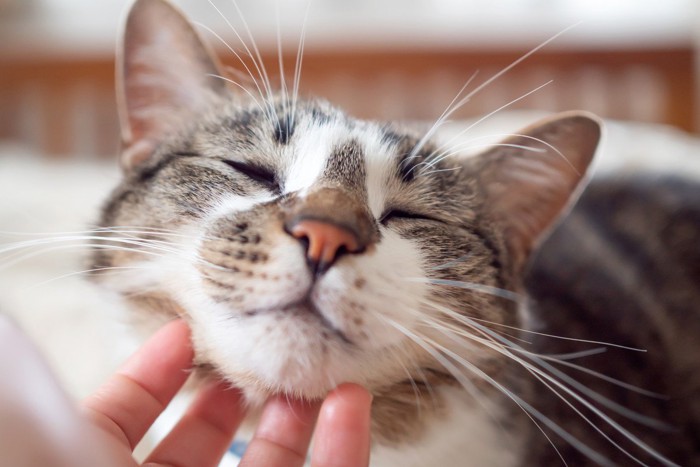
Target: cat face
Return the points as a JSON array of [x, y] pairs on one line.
[[307, 248], [261, 310]]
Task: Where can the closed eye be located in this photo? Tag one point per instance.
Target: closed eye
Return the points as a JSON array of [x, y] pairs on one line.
[[255, 173], [394, 214]]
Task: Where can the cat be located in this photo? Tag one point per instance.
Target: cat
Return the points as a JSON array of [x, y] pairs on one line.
[[306, 248]]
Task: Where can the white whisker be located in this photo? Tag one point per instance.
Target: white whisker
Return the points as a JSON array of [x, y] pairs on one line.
[[280, 59], [229, 80], [574, 355], [451, 263], [557, 378], [242, 62], [439, 153], [487, 289], [101, 270], [437, 352], [299, 61], [257, 58], [602, 376], [449, 110], [258, 64]]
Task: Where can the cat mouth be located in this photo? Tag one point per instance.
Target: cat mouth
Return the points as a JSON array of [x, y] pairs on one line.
[[304, 305]]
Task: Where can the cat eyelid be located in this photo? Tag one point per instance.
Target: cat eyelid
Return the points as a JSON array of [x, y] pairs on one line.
[[403, 214], [255, 173]]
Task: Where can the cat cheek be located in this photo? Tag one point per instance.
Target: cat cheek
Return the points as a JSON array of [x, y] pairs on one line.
[[368, 300], [242, 282]]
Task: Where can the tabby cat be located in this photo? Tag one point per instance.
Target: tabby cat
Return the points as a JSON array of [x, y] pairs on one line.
[[307, 248]]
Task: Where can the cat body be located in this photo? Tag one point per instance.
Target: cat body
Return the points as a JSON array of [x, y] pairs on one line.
[[306, 248], [623, 268]]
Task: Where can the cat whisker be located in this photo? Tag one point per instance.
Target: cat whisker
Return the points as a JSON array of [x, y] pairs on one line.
[[617, 382], [229, 80], [464, 148], [451, 263], [116, 229], [530, 411], [427, 385], [543, 377], [412, 382], [283, 77], [501, 136], [574, 355], [587, 420], [440, 354], [18, 247], [439, 153], [554, 336], [257, 58], [17, 251], [259, 66], [483, 86], [243, 63], [508, 345], [518, 298], [466, 383], [452, 169], [490, 341], [101, 270], [123, 234], [482, 288], [19, 258], [138, 227], [239, 76], [449, 110], [546, 372], [299, 61], [413, 363], [518, 61]]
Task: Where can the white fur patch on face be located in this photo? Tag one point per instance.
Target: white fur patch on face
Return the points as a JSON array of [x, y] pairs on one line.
[[309, 155], [380, 166]]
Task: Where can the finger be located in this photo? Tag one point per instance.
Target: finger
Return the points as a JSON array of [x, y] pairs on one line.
[[128, 404], [342, 438], [283, 434], [204, 433]]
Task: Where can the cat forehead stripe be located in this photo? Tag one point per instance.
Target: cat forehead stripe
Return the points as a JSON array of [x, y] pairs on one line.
[[309, 156], [380, 166]]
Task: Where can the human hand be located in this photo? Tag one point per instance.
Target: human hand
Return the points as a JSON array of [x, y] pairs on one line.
[[123, 409], [130, 402]]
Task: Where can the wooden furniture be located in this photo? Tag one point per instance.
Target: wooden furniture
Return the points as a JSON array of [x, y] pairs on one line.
[[59, 98]]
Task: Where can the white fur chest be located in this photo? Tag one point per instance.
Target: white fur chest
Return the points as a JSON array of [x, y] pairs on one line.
[[468, 435]]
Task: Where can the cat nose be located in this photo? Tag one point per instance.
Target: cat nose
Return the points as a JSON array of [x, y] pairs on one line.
[[325, 242]]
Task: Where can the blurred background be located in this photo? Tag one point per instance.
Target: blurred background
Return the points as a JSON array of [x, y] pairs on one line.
[[633, 60], [406, 59]]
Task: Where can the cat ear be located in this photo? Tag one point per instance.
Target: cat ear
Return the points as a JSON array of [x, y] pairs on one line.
[[165, 73], [530, 178]]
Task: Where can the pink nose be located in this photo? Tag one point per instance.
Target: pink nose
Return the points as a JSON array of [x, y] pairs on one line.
[[325, 242]]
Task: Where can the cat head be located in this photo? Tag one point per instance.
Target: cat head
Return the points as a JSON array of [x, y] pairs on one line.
[[307, 248]]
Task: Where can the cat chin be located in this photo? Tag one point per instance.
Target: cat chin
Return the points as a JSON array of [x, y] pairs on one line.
[[269, 353], [257, 390]]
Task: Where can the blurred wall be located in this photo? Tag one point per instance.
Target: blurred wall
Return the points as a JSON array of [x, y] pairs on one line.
[[390, 59]]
